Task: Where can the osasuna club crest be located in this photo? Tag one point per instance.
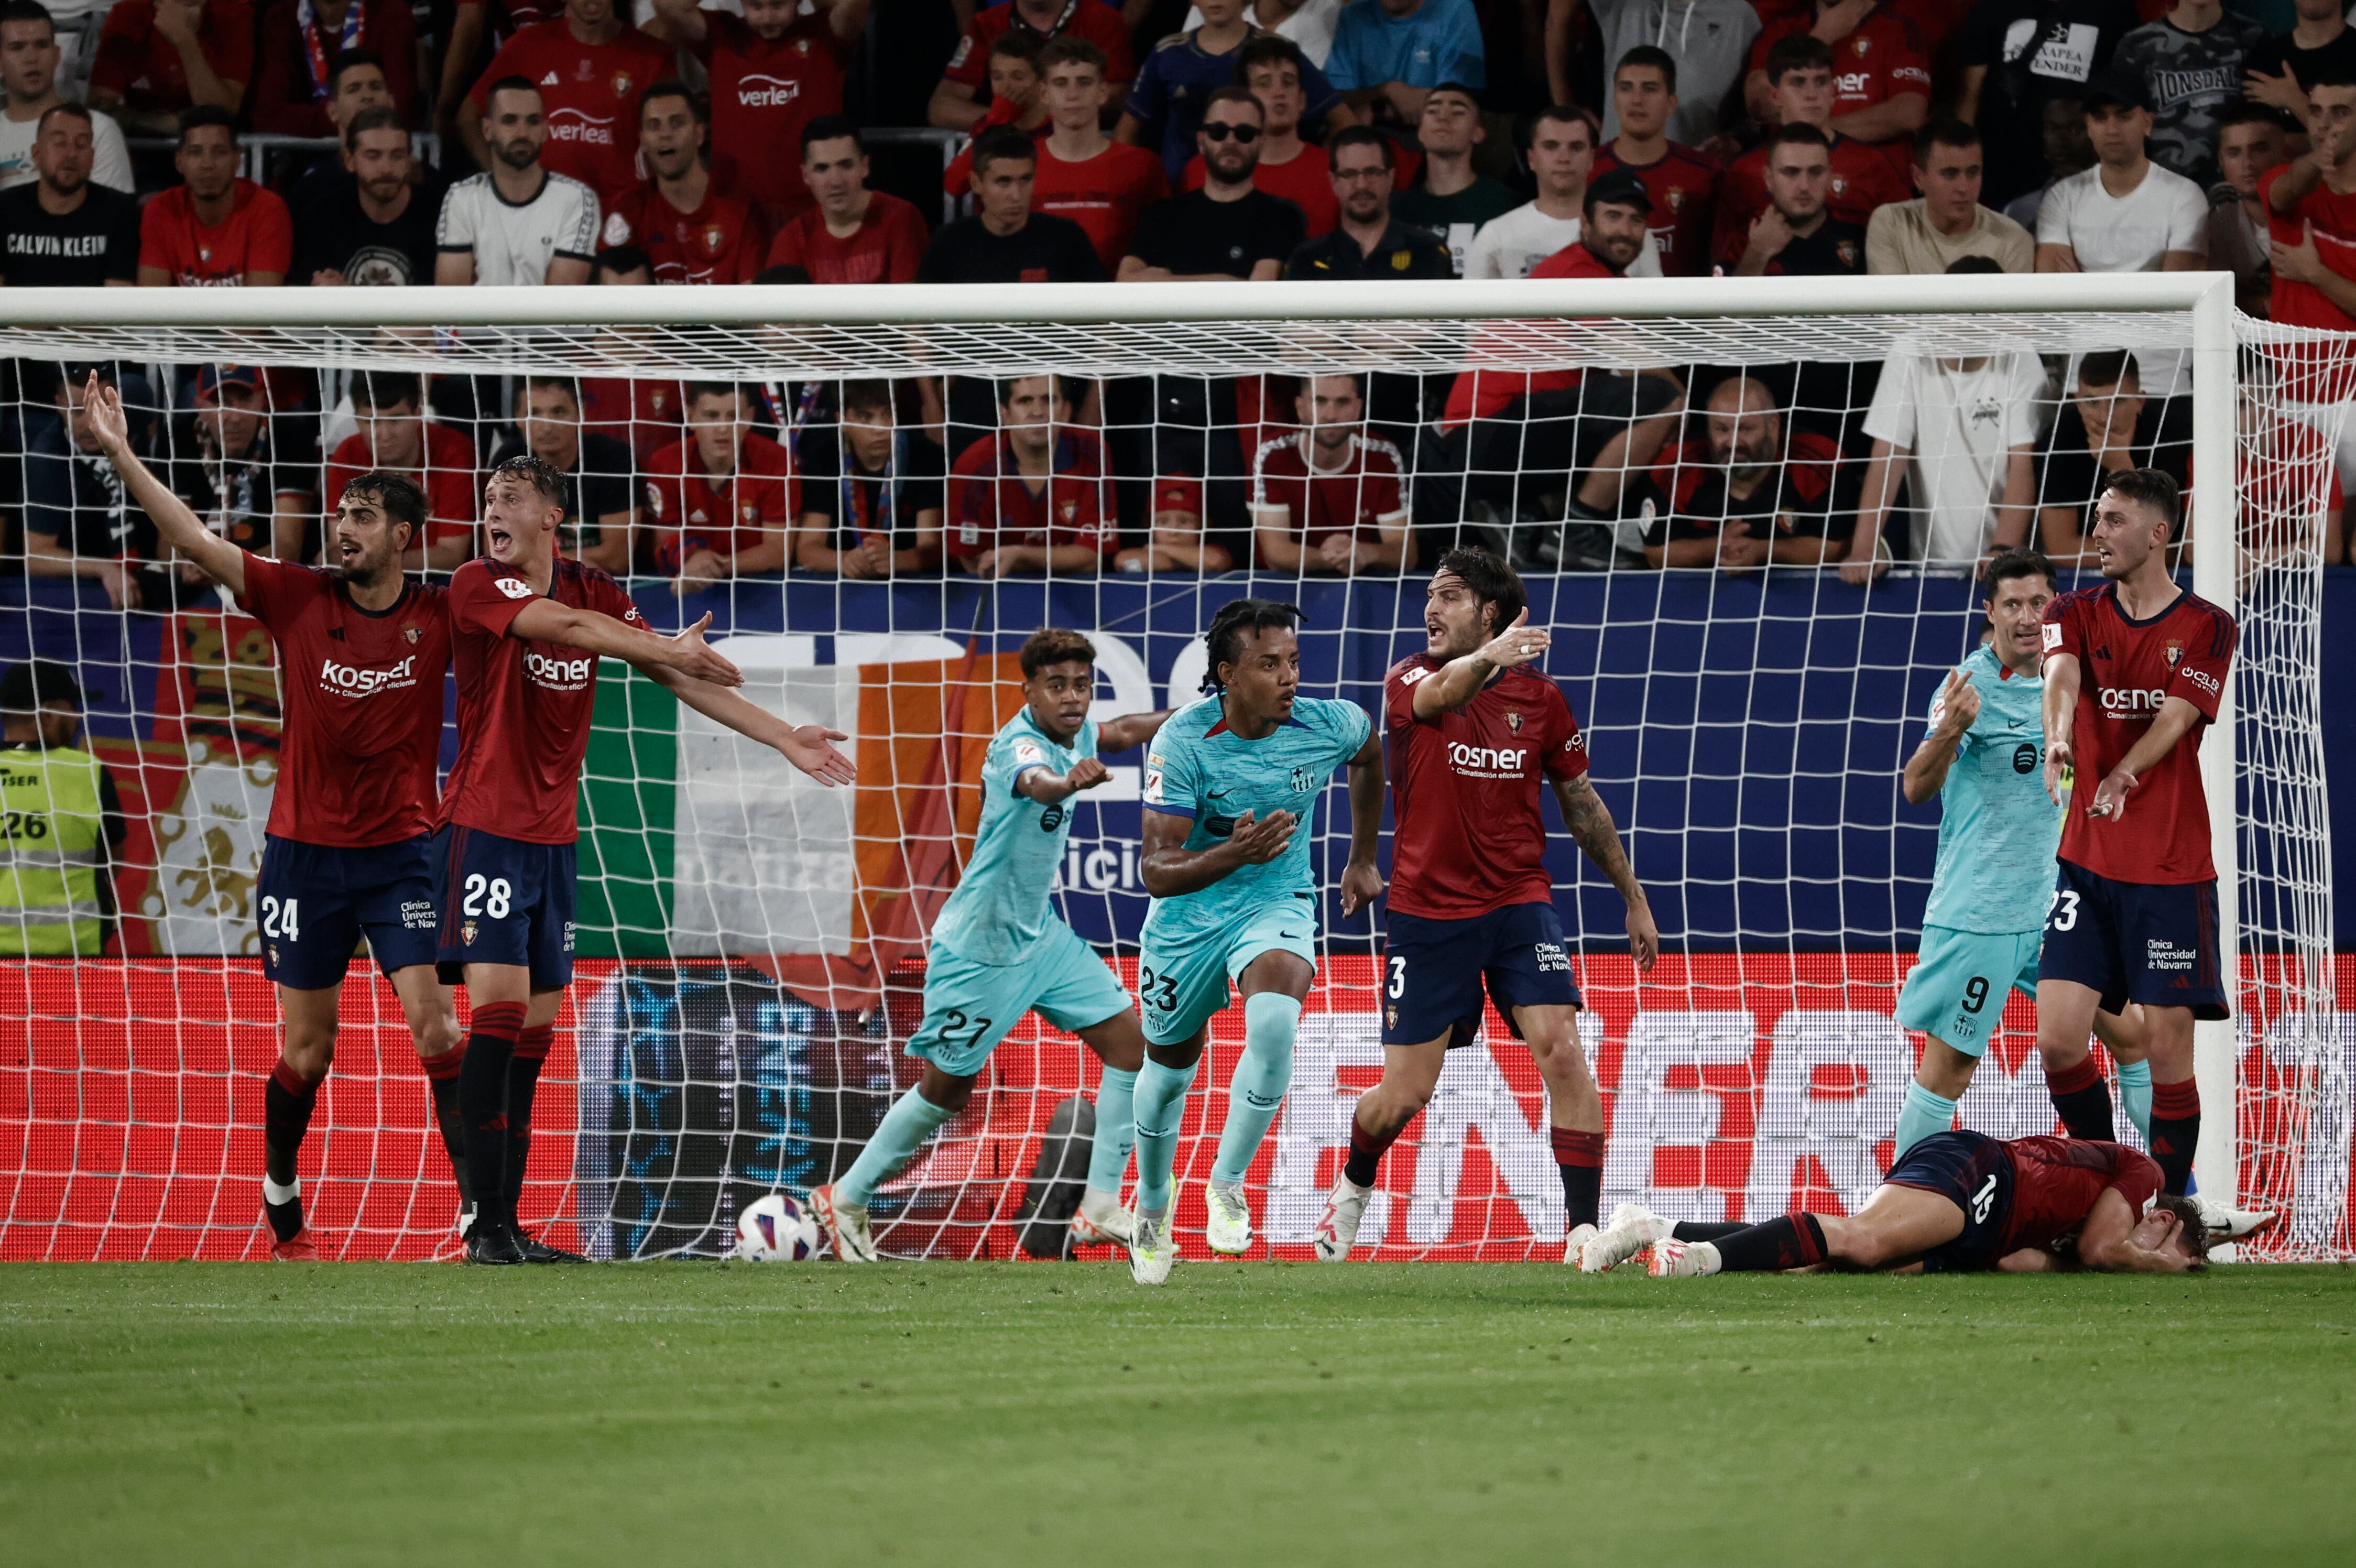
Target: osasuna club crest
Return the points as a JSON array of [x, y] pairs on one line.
[[2175, 653], [1514, 722]]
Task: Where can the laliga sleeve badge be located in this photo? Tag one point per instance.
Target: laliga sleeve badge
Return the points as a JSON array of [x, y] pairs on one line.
[[513, 587]]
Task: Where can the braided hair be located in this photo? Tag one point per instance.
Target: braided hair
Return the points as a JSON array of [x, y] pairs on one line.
[[1236, 620]]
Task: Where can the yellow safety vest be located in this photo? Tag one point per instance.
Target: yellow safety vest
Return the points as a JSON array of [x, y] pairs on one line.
[[52, 848]]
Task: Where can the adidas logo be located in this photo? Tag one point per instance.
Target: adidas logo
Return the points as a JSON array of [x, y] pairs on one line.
[[548, 81]]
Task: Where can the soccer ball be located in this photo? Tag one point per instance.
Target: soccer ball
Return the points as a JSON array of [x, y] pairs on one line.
[[777, 1229]]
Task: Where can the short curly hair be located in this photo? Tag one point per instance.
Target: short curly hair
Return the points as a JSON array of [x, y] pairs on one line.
[[1055, 645]]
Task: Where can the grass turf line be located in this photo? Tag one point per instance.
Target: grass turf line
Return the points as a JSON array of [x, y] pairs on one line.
[[1027, 1413]]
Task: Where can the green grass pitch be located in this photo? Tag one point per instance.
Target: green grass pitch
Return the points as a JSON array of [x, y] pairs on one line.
[[1248, 1413]]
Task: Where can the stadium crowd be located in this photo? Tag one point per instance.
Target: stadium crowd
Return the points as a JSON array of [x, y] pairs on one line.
[[588, 141]]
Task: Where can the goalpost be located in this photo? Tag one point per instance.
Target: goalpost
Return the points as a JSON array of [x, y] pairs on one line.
[[751, 946]]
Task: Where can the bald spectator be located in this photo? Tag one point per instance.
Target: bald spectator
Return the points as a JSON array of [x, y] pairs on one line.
[[299, 46], [29, 57], [158, 58], [1946, 223], [1749, 494]]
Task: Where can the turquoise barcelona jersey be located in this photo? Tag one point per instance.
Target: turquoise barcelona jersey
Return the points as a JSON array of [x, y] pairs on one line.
[[1198, 767], [1998, 831], [1001, 905]]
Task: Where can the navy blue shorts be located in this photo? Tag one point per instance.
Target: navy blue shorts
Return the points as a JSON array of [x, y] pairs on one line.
[[318, 900], [1973, 1171], [503, 901], [1433, 972], [2136, 941]]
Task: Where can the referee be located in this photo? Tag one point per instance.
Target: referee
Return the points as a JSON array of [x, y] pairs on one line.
[[60, 820]]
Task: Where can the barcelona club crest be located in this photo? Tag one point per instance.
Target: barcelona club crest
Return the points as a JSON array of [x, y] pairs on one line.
[[1301, 781]]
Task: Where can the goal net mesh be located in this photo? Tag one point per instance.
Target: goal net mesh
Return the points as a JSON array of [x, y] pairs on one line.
[[751, 946]]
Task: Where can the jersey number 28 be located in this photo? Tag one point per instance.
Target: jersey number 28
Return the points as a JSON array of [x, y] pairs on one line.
[[486, 896]]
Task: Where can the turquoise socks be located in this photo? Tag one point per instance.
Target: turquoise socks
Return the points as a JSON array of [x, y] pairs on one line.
[[1116, 1132], [1261, 1077], [1161, 1104], [911, 1121], [2135, 1095], [1923, 1114]]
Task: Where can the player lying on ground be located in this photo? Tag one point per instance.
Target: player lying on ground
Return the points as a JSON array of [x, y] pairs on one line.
[[2133, 672], [999, 952], [1982, 930], [1231, 789], [361, 653], [1471, 733], [1959, 1203], [527, 630]]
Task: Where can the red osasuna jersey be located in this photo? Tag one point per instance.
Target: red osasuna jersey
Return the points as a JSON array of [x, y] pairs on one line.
[[256, 237], [2127, 670], [1883, 56], [689, 509], [523, 707], [1683, 184], [361, 692], [993, 505], [1366, 492], [887, 246], [720, 241], [1862, 181], [2055, 1182], [1465, 787], [764, 91], [588, 96], [1104, 195]]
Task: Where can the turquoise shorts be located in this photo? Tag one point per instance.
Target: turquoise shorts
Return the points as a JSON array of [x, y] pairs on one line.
[[1182, 981], [970, 1006], [1957, 989]]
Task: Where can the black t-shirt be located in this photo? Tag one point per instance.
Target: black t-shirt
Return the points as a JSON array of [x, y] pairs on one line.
[[78, 498], [861, 501], [332, 233], [96, 241], [2034, 50], [1192, 233], [2071, 477], [1404, 252], [1047, 249], [235, 496], [2274, 54], [600, 483], [1835, 249]]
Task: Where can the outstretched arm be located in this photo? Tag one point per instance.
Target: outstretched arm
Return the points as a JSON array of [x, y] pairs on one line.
[[178, 525], [806, 746], [1598, 837], [1130, 730], [592, 631], [1460, 680], [1361, 883]]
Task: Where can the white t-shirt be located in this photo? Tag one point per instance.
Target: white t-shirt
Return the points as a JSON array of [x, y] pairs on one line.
[[1961, 425], [1311, 27], [1509, 246], [2130, 233], [512, 242], [109, 164]]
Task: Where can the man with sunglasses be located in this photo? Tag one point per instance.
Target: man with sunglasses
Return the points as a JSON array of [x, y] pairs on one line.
[[1228, 229]]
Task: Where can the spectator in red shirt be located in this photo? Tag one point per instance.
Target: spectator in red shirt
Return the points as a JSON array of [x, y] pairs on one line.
[[1801, 68], [216, 229], [1288, 167], [691, 230], [1035, 496], [1014, 101], [1743, 496], [1881, 72], [2311, 225], [394, 435], [644, 414], [773, 71], [157, 58], [960, 101], [1101, 184], [590, 67], [300, 43], [723, 502], [1331, 497], [852, 234], [1682, 181]]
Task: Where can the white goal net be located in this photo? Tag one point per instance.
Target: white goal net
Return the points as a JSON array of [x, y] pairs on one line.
[[751, 946]]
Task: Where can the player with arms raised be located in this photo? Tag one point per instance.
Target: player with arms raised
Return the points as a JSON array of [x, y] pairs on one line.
[[999, 952], [361, 653], [1966, 1203], [527, 630], [1231, 788], [1473, 733], [2133, 672]]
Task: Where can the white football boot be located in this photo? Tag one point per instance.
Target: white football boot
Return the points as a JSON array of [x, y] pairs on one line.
[[1101, 1222], [1337, 1227], [2232, 1224], [1152, 1249], [1574, 1243], [845, 1225], [1680, 1260], [1634, 1228], [1229, 1230]]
